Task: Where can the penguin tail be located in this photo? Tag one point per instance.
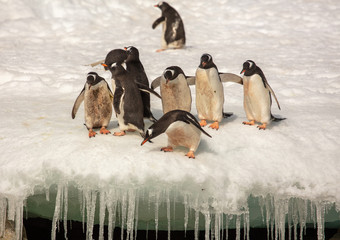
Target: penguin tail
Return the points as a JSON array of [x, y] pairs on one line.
[[276, 119], [226, 115]]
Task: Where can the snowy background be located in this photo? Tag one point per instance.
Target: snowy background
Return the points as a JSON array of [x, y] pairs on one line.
[[47, 160]]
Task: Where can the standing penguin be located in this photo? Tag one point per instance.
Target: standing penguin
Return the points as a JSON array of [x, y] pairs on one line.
[[136, 69], [182, 129], [97, 98], [257, 96], [173, 27], [209, 92], [174, 89]]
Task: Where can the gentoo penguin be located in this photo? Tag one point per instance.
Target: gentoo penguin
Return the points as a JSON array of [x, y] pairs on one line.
[[182, 129], [209, 92], [97, 98], [173, 27], [127, 101], [175, 90], [257, 96], [135, 67]]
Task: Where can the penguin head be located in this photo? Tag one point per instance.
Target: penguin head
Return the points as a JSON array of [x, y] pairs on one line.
[[93, 78], [249, 68], [162, 5], [114, 56], [206, 61], [132, 53], [172, 73], [149, 135], [116, 68]]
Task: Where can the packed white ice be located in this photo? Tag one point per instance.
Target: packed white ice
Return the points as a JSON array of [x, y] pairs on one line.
[[285, 176]]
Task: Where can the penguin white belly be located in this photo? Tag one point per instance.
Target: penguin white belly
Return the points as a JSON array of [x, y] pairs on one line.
[[256, 99], [175, 94], [98, 106], [183, 134], [209, 94]]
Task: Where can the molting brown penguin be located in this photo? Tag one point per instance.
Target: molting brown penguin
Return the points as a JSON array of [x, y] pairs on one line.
[[97, 98], [182, 129]]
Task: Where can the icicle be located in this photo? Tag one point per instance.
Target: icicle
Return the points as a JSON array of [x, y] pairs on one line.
[[3, 208], [246, 225], [18, 219], [81, 197], [102, 207], [226, 226], [281, 210], [136, 214], [123, 213], [65, 210], [168, 211], [196, 223], [186, 214], [217, 226], [320, 216], [91, 199], [207, 224], [156, 214], [56, 214], [47, 194], [111, 203], [131, 214], [238, 227]]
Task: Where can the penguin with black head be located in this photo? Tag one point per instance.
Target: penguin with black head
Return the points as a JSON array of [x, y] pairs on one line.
[[257, 93], [136, 69], [173, 28], [182, 129], [98, 99], [174, 89]]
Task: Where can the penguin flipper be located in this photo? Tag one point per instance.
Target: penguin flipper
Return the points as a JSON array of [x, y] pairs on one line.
[[191, 119], [145, 88], [77, 103], [191, 80], [230, 77], [156, 83], [272, 92], [157, 22], [117, 98]]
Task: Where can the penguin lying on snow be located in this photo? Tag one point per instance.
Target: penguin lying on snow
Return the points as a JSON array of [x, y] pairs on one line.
[[127, 101], [182, 129], [209, 91], [135, 67], [173, 27], [257, 96], [97, 98], [174, 89]]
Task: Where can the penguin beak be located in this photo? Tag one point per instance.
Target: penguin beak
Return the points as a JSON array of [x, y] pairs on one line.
[[145, 140], [167, 80], [156, 5], [203, 64], [243, 70], [105, 66], [125, 48]]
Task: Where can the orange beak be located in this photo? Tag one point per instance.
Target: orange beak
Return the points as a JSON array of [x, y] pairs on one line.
[[203, 64], [125, 48], [243, 71], [144, 141], [104, 65]]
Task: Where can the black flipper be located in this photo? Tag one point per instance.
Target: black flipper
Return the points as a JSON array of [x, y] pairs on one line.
[[157, 22], [145, 88], [77, 103]]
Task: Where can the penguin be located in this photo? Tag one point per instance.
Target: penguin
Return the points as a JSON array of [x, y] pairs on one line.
[[135, 67], [257, 99], [173, 27], [127, 102], [182, 129], [209, 92], [97, 98]]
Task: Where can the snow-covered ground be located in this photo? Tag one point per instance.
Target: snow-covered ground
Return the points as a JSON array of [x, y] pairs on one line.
[[292, 168]]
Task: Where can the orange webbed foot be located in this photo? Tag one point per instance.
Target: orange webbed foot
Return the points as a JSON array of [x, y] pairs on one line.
[[263, 126], [203, 123], [103, 130], [214, 125], [92, 133], [252, 122], [190, 154], [167, 149], [119, 134], [160, 50]]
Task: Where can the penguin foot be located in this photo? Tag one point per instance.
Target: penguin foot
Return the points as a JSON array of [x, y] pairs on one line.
[[252, 122], [190, 154], [103, 130], [131, 130], [214, 125], [167, 149], [92, 133], [263, 126], [122, 133], [203, 123], [160, 50]]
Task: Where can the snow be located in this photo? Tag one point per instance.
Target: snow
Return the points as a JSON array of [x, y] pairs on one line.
[[48, 160]]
